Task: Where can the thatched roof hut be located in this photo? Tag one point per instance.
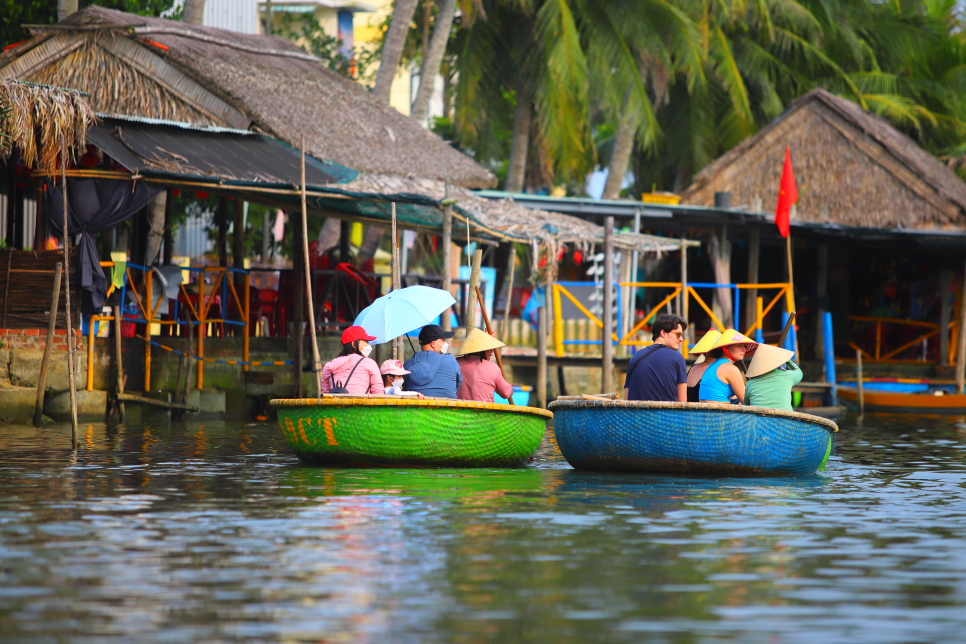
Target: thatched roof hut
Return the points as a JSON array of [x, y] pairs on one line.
[[165, 69], [852, 168], [42, 121]]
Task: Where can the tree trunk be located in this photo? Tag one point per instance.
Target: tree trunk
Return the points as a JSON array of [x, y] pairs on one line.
[[392, 48], [65, 8], [621, 156], [432, 59], [155, 228], [517, 170], [194, 11]]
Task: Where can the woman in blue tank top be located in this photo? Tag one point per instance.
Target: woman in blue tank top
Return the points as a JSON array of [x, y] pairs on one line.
[[722, 381]]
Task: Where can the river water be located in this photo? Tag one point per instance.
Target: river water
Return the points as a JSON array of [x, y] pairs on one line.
[[215, 533]]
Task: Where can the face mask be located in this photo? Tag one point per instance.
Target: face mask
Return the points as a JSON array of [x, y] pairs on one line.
[[398, 383], [445, 347], [365, 351]]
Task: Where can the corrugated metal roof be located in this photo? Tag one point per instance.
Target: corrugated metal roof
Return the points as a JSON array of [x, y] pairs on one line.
[[152, 146]]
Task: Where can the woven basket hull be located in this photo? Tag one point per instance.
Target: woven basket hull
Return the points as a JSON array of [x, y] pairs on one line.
[[424, 433], [688, 438]]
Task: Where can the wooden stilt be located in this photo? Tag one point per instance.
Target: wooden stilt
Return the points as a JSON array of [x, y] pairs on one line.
[[858, 376], [51, 329], [607, 360], [71, 340], [447, 242], [316, 361]]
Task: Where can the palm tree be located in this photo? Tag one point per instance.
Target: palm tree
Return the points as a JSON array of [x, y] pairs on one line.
[[432, 59], [392, 47]]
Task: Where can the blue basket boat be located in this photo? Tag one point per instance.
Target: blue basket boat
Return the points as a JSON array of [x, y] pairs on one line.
[[690, 438]]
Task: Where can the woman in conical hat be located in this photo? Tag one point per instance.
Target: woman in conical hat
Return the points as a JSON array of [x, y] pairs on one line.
[[480, 376], [722, 381], [701, 364], [771, 376]]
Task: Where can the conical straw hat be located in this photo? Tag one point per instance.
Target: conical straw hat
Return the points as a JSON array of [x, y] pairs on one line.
[[729, 337], [478, 341], [706, 342], [767, 358]]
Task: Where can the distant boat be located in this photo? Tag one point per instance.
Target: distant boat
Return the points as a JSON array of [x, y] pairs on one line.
[[690, 438], [346, 430], [905, 398]]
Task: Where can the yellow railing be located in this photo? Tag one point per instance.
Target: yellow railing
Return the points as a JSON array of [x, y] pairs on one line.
[[878, 356], [197, 312], [676, 289]]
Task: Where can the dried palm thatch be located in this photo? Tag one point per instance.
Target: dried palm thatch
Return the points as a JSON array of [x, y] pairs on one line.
[[171, 70], [852, 168], [42, 121]]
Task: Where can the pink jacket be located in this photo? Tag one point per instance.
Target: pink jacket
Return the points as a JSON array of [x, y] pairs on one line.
[[480, 379], [365, 380]]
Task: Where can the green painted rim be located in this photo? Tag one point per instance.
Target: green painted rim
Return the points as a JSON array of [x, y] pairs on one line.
[[425, 433]]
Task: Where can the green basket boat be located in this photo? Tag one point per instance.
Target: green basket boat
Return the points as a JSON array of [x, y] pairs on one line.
[[359, 431]]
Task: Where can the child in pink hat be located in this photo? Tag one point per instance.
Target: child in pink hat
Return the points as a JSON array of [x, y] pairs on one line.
[[392, 372]]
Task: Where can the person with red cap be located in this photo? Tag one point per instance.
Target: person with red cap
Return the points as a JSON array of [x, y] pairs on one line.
[[353, 371]]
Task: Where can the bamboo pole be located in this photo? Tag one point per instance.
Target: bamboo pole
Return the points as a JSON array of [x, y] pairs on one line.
[[397, 346], [489, 329], [791, 285], [247, 305], [961, 343], [201, 331], [447, 256], [48, 347], [148, 315], [118, 411], [607, 358], [470, 322], [316, 361], [71, 340], [685, 299], [542, 347], [509, 293], [858, 364]]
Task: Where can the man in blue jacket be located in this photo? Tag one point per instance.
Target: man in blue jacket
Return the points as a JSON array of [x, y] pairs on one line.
[[433, 372]]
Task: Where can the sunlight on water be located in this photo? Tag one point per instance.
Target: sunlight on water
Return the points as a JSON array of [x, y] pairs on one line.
[[215, 533]]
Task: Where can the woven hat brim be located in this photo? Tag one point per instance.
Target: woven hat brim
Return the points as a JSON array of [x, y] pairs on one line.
[[706, 342], [478, 341], [768, 358], [729, 337]]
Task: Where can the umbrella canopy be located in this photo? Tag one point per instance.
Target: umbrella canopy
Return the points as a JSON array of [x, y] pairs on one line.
[[402, 311]]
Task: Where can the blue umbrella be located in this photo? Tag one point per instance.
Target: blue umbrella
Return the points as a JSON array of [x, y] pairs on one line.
[[402, 311]]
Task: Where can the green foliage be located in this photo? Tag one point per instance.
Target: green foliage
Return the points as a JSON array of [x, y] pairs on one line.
[[44, 12], [306, 32]]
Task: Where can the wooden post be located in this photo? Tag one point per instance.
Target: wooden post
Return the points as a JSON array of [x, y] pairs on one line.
[[222, 219], [632, 291], [148, 315], [71, 340], [118, 413], [754, 253], [858, 375], [945, 278], [201, 330], [791, 280], [542, 346], [297, 311], [470, 322], [168, 227], [961, 343], [316, 361], [238, 241], [247, 304], [685, 298], [48, 347], [607, 364], [509, 293], [447, 257], [398, 350]]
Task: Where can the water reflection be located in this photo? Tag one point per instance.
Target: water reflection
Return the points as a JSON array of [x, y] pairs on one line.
[[213, 532]]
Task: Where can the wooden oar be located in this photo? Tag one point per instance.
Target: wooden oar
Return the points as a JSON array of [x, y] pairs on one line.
[[486, 321], [788, 326]]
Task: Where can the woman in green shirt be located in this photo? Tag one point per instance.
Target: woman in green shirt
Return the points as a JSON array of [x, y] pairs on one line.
[[771, 376]]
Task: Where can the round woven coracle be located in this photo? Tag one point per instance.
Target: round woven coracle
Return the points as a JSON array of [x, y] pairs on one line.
[[393, 431], [690, 438]]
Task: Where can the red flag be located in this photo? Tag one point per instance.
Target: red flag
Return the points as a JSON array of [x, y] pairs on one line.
[[787, 195]]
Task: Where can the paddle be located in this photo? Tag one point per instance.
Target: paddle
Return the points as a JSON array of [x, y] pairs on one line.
[[486, 321], [788, 327]]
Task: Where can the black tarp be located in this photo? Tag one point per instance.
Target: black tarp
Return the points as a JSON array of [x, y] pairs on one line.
[[95, 205]]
